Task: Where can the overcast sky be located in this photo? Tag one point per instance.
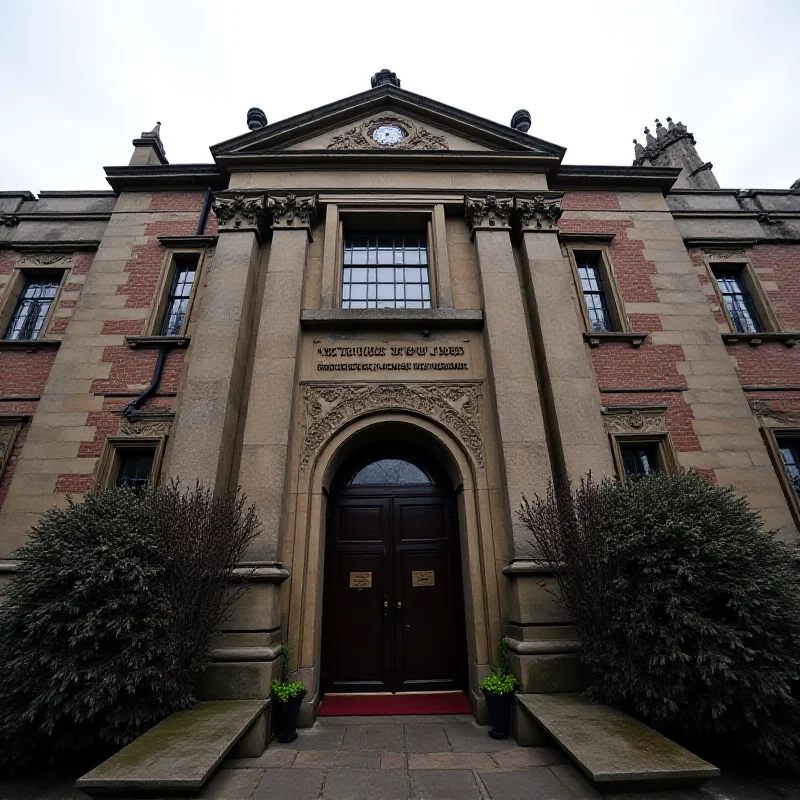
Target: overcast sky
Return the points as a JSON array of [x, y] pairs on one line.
[[80, 79]]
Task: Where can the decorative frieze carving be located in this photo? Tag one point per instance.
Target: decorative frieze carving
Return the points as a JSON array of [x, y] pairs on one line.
[[726, 254], [537, 213], [411, 137], [290, 211], [239, 212], [489, 211], [634, 420], [9, 220], [45, 259], [761, 408], [151, 425], [328, 407]]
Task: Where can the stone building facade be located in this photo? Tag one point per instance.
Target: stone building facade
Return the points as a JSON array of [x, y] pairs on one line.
[[386, 320]]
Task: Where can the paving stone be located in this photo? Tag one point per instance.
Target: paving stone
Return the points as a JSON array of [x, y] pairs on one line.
[[374, 737], [271, 757], [233, 784], [525, 784], [394, 761], [426, 739], [328, 759], [450, 761], [522, 757], [320, 737], [575, 782], [472, 738], [297, 784], [364, 784], [432, 784]]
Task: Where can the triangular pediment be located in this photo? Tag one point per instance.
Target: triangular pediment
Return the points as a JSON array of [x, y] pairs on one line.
[[411, 123]]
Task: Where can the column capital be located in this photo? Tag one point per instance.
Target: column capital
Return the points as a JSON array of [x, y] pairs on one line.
[[240, 212], [489, 212], [291, 211], [535, 214]]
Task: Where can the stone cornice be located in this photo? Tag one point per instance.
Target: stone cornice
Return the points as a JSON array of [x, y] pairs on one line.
[[576, 177], [164, 177]]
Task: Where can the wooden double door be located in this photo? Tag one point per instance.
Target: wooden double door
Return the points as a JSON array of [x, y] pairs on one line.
[[393, 604]]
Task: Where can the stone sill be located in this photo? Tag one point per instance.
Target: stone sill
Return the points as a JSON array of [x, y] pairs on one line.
[[527, 567], [596, 338], [755, 339], [198, 241], [29, 344], [157, 341], [395, 318]]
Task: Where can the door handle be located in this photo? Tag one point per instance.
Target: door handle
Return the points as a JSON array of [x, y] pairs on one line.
[[399, 605], [385, 606]]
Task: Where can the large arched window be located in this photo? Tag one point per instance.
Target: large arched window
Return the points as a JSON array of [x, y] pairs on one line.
[[389, 471]]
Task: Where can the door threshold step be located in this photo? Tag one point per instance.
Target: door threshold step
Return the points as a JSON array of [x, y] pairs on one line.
[[391, 705]]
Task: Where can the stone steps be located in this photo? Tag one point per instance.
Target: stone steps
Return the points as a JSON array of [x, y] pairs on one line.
[[614, 750], [181, 753]]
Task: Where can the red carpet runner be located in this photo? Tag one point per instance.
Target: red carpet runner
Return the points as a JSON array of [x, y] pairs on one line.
[[366, 705]]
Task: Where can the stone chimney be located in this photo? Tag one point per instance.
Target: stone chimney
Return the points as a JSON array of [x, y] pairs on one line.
[[674, 146], [148, 149]]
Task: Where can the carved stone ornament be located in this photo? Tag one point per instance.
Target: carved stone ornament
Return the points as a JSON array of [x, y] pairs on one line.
[[537, 213], [290, 211], [9, 220], [635, 420], [725, 254], [240, 212], [410, 137], [155, 425], [489, 211], [328, 407], [45, 259], [761, 408]]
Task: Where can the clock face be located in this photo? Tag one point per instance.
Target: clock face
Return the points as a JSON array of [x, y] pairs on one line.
[[388, 134]]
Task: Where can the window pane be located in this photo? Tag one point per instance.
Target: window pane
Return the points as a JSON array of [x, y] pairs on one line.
[[388, 285], [738, 301], [33, 305], [180, 291], [135, 467], [594, 293], [389, 471], [790, 453], [639, 459]]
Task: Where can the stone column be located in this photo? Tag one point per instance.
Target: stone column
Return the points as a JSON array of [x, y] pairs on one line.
[[205, 430], [263, 473], [569, 388], [520, 426]]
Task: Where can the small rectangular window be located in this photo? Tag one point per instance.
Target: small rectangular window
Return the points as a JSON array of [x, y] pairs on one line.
[[594, 292], [738, 300], [790, 455], [135, 467], [33, 306], [638, 459], [180, 292], [386, 271]]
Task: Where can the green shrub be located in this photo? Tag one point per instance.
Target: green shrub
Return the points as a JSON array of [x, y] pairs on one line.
[[109, 620], [688, 610], [499, 682], [286, 690]]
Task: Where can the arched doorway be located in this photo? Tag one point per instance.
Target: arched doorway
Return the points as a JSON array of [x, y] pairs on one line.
[[393, 607]]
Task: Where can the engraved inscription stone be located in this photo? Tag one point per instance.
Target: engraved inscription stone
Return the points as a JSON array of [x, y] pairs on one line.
[[423, 577], [360, 580], [388, 357]]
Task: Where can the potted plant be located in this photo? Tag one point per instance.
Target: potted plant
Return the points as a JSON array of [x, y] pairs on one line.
[[498, 689], [288, 697]]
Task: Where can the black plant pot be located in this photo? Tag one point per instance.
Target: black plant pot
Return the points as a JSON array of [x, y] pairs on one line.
[[288, 715], [499, 706]]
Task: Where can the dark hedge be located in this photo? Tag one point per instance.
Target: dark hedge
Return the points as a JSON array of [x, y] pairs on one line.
[[689, 611]]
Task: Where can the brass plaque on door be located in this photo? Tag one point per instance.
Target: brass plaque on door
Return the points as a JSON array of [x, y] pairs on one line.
[[360, 580], [423, 577]]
